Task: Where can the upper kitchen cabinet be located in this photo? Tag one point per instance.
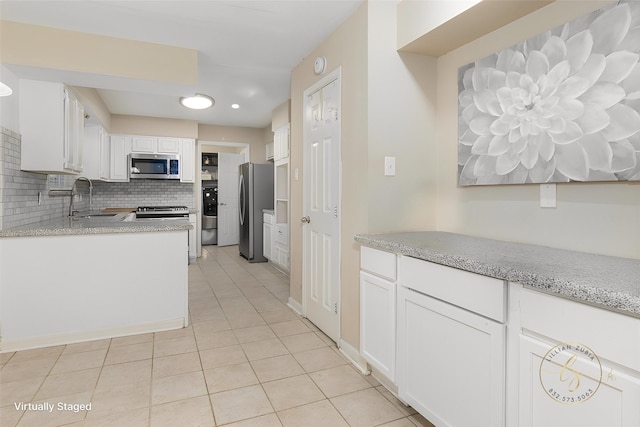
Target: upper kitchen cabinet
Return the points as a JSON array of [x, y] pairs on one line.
[[96, 166], [281, 143], [187, 160], [155, 145], [434, 28], [51, 124]]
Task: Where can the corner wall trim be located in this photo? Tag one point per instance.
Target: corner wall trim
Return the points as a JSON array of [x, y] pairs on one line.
[[295, 306], [354, 356]]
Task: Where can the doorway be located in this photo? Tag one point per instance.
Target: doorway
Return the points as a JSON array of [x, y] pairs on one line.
[[321, 204], [240, 153]]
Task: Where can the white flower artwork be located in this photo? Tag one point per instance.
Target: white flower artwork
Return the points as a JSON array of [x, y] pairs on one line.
[[559, 107]]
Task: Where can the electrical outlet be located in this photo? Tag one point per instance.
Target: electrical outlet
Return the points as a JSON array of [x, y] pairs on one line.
[[548, 195]]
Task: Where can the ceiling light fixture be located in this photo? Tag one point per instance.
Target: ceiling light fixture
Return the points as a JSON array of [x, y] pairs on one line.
[[197, 101], [235, 106], [5, 90]]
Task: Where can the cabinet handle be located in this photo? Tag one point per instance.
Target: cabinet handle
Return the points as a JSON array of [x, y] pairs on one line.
[[306, 219]]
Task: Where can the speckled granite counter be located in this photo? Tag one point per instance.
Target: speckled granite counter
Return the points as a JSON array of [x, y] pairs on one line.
[[118, 223], [609, 282]]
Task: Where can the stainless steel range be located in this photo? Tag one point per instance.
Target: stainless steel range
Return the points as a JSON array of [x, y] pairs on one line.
[[162, 212]]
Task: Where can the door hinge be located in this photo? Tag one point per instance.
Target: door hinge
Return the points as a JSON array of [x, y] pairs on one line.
[[335, 307]]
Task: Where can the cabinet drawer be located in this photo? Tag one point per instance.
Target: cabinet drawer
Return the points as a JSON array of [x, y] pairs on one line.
[[474, 292], [378, 262], [610, 335], [267, 218], [282, 235]]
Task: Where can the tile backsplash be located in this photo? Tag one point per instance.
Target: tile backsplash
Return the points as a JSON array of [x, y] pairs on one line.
[[143, 192], [25, 199]]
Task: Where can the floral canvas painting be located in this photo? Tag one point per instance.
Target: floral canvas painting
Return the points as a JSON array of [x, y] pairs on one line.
[[560, 107]]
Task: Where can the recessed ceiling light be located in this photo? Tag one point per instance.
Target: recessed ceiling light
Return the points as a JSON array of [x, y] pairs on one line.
[[235, 106], [197, 101], [5, 90]]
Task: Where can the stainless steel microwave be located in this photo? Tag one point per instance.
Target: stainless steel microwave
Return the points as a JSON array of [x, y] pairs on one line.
[[154, 166]]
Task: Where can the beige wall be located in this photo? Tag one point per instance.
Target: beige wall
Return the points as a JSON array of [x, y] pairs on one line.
[[346, 47], [38, 46], [388, 109], [255, 137], [153, 126], [281, 115], [401, 107], [601, 218], [94, 105]]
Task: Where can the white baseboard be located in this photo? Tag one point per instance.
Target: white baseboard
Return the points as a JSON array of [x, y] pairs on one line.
[[75, 337], [295, 306], [353, 355]]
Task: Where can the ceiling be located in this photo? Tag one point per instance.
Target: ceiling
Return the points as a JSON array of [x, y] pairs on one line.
[[246, 50]]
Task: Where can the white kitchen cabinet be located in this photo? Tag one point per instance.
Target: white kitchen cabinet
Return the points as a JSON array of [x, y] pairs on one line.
[[93, 152], [551, 393], [51, 125], [119, 158], [451, 359], [280, 247], [267, 235], [169, 145], [269, 151], [144, 144], [187, 149], [281, 143], [193, 245], [155, 145], [378, 310]]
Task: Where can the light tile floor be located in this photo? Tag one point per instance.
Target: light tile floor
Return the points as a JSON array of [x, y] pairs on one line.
[[245, 360]]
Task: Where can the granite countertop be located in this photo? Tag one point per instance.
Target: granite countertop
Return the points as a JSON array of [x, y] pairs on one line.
[[608, 282], [96, 223]]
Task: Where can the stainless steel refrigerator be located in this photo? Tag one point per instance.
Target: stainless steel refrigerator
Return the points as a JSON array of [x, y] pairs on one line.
[[255, 192]]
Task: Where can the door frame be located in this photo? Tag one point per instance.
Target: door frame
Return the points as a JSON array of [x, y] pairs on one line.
[[244, 148], [333, 75]]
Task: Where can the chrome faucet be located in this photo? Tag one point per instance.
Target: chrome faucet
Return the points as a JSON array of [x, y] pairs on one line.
[[73, 190]]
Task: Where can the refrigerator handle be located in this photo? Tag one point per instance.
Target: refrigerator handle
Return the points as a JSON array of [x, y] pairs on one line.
[[241, 199]]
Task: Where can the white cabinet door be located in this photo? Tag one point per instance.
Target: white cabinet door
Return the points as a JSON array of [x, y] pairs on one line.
[[267, 242], [119, 162], [451, 363], [193, 247], [73, 135], [614, 400], [281, 143], [187, 160], [169, 145], [378, 323], [92, 152], [143, 144], [51, 124]]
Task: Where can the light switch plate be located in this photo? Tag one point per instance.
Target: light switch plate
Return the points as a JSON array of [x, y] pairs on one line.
[[547, 195], [390, 166]]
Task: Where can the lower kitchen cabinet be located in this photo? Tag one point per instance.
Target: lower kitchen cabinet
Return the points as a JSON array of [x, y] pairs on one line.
[[378, 323], [267, 235], [573, 369], [378, 311], [280, 248], [451, 362]]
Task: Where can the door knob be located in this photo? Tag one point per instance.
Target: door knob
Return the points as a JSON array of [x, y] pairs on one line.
[[306, 219]]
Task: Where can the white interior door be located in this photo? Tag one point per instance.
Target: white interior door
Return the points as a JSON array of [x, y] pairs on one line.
[[321, 205], [228, 226]]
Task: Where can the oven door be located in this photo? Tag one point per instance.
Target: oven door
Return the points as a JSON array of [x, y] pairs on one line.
[[154, 166]]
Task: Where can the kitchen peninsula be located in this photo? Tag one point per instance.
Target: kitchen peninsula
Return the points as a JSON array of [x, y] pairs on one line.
[[91, 277]]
